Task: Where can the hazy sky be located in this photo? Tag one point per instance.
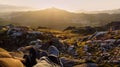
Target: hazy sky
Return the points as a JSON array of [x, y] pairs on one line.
[[90, 5]]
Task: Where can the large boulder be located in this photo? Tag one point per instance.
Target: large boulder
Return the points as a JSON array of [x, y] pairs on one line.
[[10, 62], [6, 60]]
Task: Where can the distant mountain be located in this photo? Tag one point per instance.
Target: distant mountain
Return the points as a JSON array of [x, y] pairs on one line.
[[9, 8], [51, 17], [59, 19], [115, 11]]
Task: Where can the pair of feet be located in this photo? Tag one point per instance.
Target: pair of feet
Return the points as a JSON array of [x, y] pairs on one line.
[[53, 51], [54, 55]]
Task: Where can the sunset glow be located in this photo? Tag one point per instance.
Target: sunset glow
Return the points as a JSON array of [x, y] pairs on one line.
[[71, 5]]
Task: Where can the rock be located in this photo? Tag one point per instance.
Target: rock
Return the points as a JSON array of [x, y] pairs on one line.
[[87, 65]]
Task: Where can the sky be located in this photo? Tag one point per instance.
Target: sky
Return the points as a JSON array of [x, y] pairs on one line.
[[71, 5]]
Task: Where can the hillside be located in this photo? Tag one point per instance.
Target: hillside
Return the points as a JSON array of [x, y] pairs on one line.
[[19, 45], [3, 22], [52, 18], [60, 19]]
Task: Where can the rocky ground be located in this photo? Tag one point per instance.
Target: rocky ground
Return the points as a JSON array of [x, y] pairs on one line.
[[99, 49]]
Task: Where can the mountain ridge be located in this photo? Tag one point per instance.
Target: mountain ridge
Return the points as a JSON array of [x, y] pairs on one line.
[[112, 11], [60, 19]]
